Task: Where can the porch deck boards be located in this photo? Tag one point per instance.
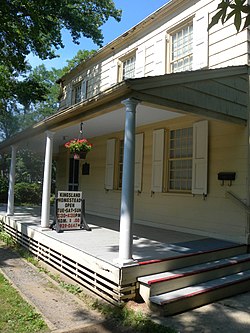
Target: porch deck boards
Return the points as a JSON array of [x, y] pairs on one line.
[[103, 241]]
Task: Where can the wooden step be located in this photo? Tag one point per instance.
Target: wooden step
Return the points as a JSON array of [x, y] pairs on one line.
[[167, 281], [184, 260], [204, 293]]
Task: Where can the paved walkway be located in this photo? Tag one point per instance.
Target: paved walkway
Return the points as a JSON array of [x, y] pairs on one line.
[[62, 311]]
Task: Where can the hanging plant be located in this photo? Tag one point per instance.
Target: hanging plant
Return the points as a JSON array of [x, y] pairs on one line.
[[79, 147]]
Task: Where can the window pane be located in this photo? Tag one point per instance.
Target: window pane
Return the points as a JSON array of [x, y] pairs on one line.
[[182, 48], [73, 174], [180, 159], [77, 93], [129, 68]]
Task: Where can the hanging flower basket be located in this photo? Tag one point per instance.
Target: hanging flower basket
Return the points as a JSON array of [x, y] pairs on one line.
[[79, 147], [81, 156]]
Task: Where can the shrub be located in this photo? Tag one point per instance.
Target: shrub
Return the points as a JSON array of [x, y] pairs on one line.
[[28, 193], [3, 189]]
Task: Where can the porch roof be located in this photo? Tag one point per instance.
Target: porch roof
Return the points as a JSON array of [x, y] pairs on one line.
[[212, 93]]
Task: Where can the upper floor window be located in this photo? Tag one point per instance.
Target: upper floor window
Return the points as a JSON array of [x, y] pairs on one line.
[[127, 68], [76, 93], [79, 92], [181, 53]]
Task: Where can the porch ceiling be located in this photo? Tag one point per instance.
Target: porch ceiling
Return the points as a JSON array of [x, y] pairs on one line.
[[219, 94], [110, 122]]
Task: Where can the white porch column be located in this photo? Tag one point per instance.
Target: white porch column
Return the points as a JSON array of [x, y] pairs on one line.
[[12, 176], [127, 196], [47, 180]]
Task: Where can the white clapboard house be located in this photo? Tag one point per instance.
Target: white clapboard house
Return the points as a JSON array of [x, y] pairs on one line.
[[166, 106]]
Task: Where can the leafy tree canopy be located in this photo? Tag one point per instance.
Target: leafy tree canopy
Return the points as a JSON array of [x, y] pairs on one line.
[[35, 26], [82, 55], [33, 97], [238, 9]]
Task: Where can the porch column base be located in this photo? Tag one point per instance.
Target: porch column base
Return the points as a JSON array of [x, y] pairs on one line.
[[125, 262], [43, 228]]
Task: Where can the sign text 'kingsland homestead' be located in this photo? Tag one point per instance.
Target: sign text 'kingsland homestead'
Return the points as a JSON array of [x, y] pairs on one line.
[[69, 210]]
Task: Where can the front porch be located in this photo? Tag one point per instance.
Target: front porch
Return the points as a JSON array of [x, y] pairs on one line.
[[90, 257]]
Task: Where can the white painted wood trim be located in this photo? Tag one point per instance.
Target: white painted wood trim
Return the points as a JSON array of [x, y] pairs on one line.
[[140, 62], [200, 41], [158, 160], [69, 94], [200, 157], [110, 164], [139, 143], [84, 90]]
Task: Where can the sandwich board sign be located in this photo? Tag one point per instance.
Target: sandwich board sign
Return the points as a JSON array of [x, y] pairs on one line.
[[70, 211]]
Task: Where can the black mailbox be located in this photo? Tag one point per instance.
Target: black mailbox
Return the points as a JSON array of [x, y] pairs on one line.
[[226, 176]]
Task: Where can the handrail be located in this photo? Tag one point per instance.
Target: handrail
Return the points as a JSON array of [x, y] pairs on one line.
[[238, 201]]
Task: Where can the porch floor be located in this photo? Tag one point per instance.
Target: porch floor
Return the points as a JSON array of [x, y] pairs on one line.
[[102, 241]]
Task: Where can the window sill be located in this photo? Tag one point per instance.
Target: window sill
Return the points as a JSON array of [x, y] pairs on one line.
[[182, 194]]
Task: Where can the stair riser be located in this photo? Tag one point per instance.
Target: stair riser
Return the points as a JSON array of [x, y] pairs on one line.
[[201, 299], [163, 287], [181, 262]]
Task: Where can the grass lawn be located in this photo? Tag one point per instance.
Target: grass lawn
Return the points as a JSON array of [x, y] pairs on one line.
[[16, 315]]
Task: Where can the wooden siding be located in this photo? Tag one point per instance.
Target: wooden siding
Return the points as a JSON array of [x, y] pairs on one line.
[[215, 215], [224, 48]]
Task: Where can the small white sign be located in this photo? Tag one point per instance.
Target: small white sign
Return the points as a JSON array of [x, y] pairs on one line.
[[69, 210]]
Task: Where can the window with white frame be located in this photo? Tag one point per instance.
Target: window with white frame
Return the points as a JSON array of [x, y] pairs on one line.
[[181, 49], [127, 68], [185, 159], [180, 159], [79, 91], [76, 93]]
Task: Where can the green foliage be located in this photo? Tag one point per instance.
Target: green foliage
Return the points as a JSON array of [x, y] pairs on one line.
[[138, 321], [3, 188], [22, 103], [82, 55], [234, 8], [121, 316], [29, 193], [16, 315], [29, 167], [16, 96], [7, 239], [35, 26]]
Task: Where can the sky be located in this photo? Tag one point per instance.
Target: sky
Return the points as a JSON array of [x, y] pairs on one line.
[[133, 11]]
